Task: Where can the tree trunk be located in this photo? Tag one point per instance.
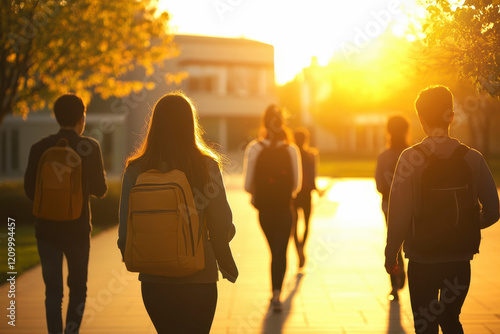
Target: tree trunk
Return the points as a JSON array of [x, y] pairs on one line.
[[3, 113]]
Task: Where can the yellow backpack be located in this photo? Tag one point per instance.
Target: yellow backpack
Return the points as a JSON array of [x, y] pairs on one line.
[[164, 234], [58, 192]]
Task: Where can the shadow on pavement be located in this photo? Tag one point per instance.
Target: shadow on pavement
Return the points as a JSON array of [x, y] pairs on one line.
[[394, 326], [273, 322]]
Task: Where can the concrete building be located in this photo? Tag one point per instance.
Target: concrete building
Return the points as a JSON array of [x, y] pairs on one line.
[[231, 80]]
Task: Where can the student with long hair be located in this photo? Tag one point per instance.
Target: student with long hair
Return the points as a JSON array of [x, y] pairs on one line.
[[273, 175], [173, 141], [397, 130], [303, 201]]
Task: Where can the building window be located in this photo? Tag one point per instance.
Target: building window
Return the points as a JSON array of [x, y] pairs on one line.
[[203, 78], [238, 81], [205, 83], [245, 81]]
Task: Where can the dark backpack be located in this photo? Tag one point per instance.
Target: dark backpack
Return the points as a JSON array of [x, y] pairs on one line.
[[273, 177], [446, 222]]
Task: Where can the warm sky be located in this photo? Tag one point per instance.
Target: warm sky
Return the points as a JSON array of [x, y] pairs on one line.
[[298, 29]]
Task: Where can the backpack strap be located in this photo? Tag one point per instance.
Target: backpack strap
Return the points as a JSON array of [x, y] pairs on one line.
[[427, 155], [460, 151], [426, 152]]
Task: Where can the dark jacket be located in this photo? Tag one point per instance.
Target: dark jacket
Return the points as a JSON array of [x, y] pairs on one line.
[[211, 204], [386, 164], [93, 180], [401, 201]]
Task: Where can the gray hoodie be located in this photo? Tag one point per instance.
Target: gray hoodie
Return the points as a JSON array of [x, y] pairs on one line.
[[401, 199]]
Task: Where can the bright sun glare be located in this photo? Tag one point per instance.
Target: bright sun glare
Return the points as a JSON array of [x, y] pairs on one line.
[[298, 30]]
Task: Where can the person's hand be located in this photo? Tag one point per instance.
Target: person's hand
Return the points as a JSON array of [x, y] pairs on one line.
[[391, 267]]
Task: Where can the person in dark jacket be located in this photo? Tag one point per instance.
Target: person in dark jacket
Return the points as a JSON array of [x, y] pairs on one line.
[[303, 200], [70, 239], [173, 141], [439, 271], [397, 128]]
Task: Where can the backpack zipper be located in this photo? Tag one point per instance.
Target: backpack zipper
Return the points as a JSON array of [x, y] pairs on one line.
[[172, 185], [454, 189]]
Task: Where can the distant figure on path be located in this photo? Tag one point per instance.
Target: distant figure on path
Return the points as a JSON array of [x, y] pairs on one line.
[[183, 304], [397, 128], [442, 195], [303, 200], [64, 170], [273, 175]]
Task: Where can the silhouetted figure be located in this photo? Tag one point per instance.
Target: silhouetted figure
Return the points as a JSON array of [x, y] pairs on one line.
[[442, 194], [303, 199], [173, 141], [397, 129], [273, 175], [64, 170]]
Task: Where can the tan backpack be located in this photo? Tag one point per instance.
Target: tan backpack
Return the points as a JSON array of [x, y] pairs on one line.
[[164, 234], [58, 192]]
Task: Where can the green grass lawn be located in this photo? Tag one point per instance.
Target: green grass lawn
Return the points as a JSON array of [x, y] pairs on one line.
[[26, 249], [17, 206], [346, 166], [26, 254]]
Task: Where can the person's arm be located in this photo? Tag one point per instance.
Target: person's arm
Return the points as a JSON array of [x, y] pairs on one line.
[[400, 213], [220, 225], [383, 184], [127, 185], [97, 179], [296, 168], [488, 196], [30, 173]]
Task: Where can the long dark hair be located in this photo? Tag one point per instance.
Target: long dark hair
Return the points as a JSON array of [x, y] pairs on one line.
[[273, 125], [174, 139], [397, 128]]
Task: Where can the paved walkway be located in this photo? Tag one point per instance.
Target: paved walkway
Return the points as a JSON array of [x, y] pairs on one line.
[[343, 288]]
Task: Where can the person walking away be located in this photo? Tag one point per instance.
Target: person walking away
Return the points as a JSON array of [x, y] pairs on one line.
[[273, 177], [303, 200], [178, 302], [397, 130], [64, 170], [442, 195]]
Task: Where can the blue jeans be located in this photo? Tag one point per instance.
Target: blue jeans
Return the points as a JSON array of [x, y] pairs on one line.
[[51, 253]]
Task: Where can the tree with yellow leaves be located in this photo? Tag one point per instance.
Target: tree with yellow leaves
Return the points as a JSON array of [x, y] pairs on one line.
[[50, 47]]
